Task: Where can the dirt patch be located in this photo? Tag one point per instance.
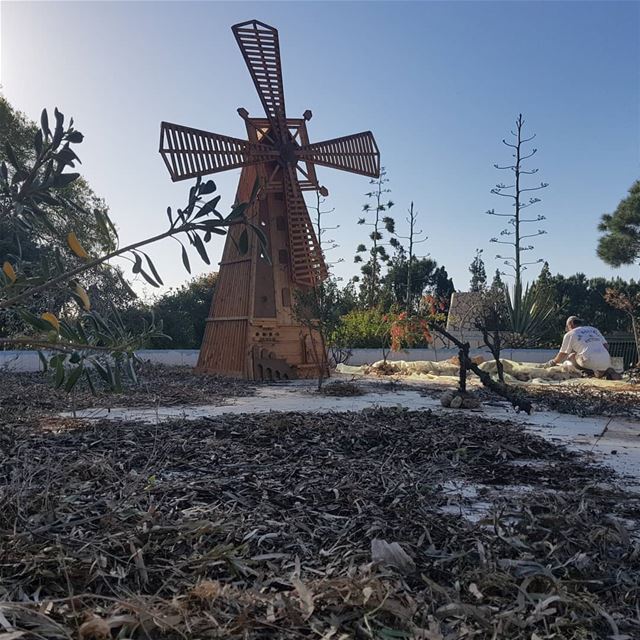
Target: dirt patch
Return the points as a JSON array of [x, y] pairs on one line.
[[261, 526]]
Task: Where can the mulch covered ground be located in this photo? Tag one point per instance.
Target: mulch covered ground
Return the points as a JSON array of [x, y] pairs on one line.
[[583, 400], [588, 401], [158, 385], [261, 526]]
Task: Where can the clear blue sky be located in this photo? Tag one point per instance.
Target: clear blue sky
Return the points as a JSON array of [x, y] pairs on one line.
[[439, 84]]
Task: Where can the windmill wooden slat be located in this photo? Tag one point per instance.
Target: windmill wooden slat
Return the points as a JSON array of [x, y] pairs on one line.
[[251, 331]]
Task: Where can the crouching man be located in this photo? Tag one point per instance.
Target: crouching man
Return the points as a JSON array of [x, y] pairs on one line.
[[586, 349]]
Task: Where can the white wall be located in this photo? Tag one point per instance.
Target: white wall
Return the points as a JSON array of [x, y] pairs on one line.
[[29, 360], [19, 361]]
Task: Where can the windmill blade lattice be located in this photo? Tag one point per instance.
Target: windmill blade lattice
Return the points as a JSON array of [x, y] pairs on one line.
[[307, 262], [260, 49], [357, 153], [189, 152]]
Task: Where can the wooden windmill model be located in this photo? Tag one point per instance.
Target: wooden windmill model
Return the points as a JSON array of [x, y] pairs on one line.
[[252, 332]]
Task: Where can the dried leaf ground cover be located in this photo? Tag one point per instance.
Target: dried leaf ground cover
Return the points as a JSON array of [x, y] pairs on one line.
[[261, 526], [157, 385], [588, 401], [583, 400], [341, 389]]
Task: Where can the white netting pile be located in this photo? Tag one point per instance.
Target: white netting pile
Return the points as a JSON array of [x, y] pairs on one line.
[[513, 371]]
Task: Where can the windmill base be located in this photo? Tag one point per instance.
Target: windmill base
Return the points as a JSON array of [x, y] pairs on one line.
[[261, 351]]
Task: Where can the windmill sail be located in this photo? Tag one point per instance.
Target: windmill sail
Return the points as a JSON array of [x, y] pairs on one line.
[[189, 152], [357, 153], [308, 267], [260, 48]]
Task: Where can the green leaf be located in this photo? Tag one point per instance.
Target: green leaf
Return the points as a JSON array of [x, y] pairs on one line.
[[237, 211], [53, 360], [207, 187], [43, 361], [34, 320], [137, 266], [207, 208], [44, 123], [132, 370], [102, 372], [64, 179], [200, 248], [148, 278], [59, 377], [19, 176], [68, 333], [243, 243], [73, 378], [58, 133], [185, 260], [48, 199], [152, 268], [99, 322], [67, 156], [75, 137], [214, 226], [12, 156]]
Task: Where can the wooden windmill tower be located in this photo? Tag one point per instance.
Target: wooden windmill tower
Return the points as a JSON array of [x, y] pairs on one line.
[[252, 332]]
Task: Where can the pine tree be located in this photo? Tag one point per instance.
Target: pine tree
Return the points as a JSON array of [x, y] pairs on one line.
[[478, 273], [497, 284], [620, 243], [545, 279]]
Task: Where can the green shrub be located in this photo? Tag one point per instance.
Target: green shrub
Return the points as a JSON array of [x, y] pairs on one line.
[[363, 329], [368, 329]]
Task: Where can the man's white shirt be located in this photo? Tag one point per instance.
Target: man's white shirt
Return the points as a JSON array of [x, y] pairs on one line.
[[589, 346]]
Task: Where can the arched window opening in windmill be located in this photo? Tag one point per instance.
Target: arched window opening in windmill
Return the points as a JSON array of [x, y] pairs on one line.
[[252, 331]]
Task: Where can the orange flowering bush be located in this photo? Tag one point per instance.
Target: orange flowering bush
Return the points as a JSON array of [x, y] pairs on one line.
[[406, 331], [410, 330]]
